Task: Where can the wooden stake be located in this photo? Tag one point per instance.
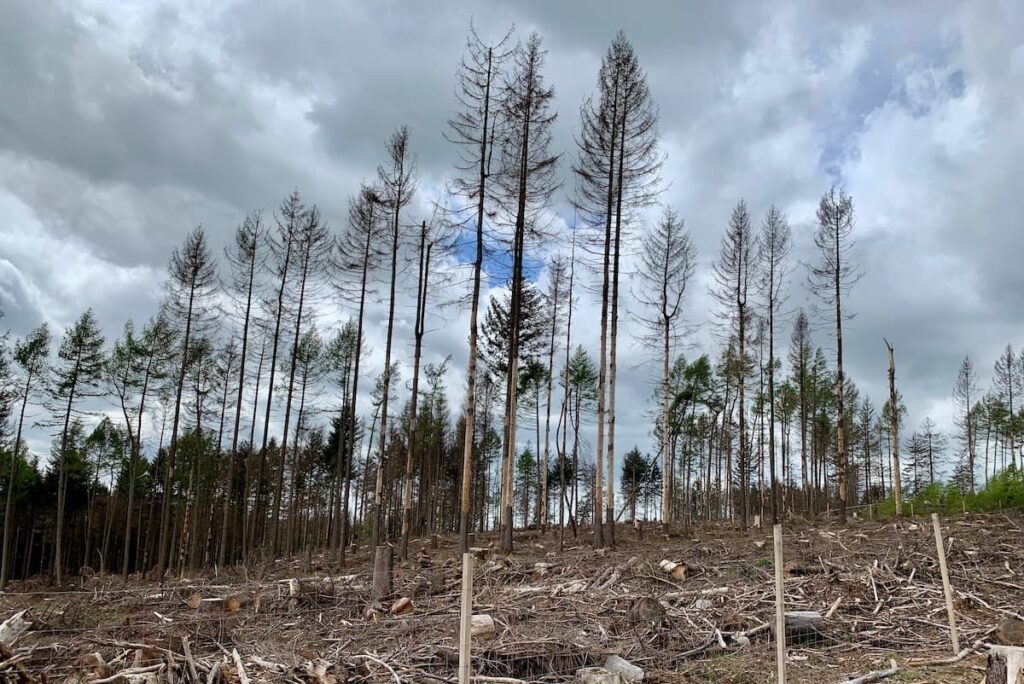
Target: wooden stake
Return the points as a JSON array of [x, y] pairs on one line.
[[953, 637], [465, 619], [780, 608]]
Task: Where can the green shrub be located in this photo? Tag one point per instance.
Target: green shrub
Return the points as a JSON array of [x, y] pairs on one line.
[[1004, 491]]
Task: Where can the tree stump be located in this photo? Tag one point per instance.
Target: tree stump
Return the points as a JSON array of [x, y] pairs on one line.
[[383, 570], [1005, 665]]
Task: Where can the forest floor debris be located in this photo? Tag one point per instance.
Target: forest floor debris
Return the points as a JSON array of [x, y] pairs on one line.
[[543, 615]]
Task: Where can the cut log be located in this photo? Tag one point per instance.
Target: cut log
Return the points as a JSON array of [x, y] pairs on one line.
[[678, 571], [211, 605], [481, 625], [1005, 665], [597, 675], [235, 602], [402, 606], [13, 627], [626, 670], [804, 626], [540, 570]]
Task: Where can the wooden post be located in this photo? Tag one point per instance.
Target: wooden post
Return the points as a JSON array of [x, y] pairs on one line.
[[465, 619], [780, 608], [953, 637]]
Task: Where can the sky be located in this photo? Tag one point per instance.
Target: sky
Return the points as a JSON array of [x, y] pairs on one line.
[[123, 124]]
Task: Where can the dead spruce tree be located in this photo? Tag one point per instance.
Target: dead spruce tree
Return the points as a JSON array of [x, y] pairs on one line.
[[311, 257], [281, 248], [616, 175], [244, 259], [527, 182], [340, 357], [732, 275], [774, 245], [667, 261], [359, 252], [397, 179], [1006, 383], [431, 243], [190, 289], [558, 268], [964, 392], [474, 130], [830, 279], [563, 499]]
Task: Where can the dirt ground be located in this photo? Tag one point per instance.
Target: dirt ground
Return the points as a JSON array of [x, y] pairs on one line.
[[554, 611]]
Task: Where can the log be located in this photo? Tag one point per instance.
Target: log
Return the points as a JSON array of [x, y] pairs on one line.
[[481, 625], [13, 627], [875, 675], [678, 571], [239, 668], [1005, 665], [211, 605], [236, 602], [804, 625], [627, 671], [402, 606], [597, 675]]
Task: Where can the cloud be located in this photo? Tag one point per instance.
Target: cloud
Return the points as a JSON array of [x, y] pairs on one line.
[[126, 124]]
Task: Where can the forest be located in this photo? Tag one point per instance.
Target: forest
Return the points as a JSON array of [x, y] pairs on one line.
[[235, 425]]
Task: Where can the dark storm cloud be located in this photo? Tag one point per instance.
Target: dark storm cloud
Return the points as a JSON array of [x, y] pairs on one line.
[[123, 124]]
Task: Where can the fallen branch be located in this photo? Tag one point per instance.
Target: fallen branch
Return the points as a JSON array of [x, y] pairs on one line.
[[875, 675]]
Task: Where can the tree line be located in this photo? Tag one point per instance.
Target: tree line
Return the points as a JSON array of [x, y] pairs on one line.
[[232, 426]]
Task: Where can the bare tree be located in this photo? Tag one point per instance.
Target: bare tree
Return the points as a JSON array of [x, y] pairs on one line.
[[397, 178], [527, 183], [244, 261], [774, 246], [557, 274], [894, 432], [964, 392], [282, 249], [359, 252], [1007, 384], [431, 241], [191, 283], [311, 254], [732, 274], [830, 279], [667, 261], [616, 174], [474, 130]]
